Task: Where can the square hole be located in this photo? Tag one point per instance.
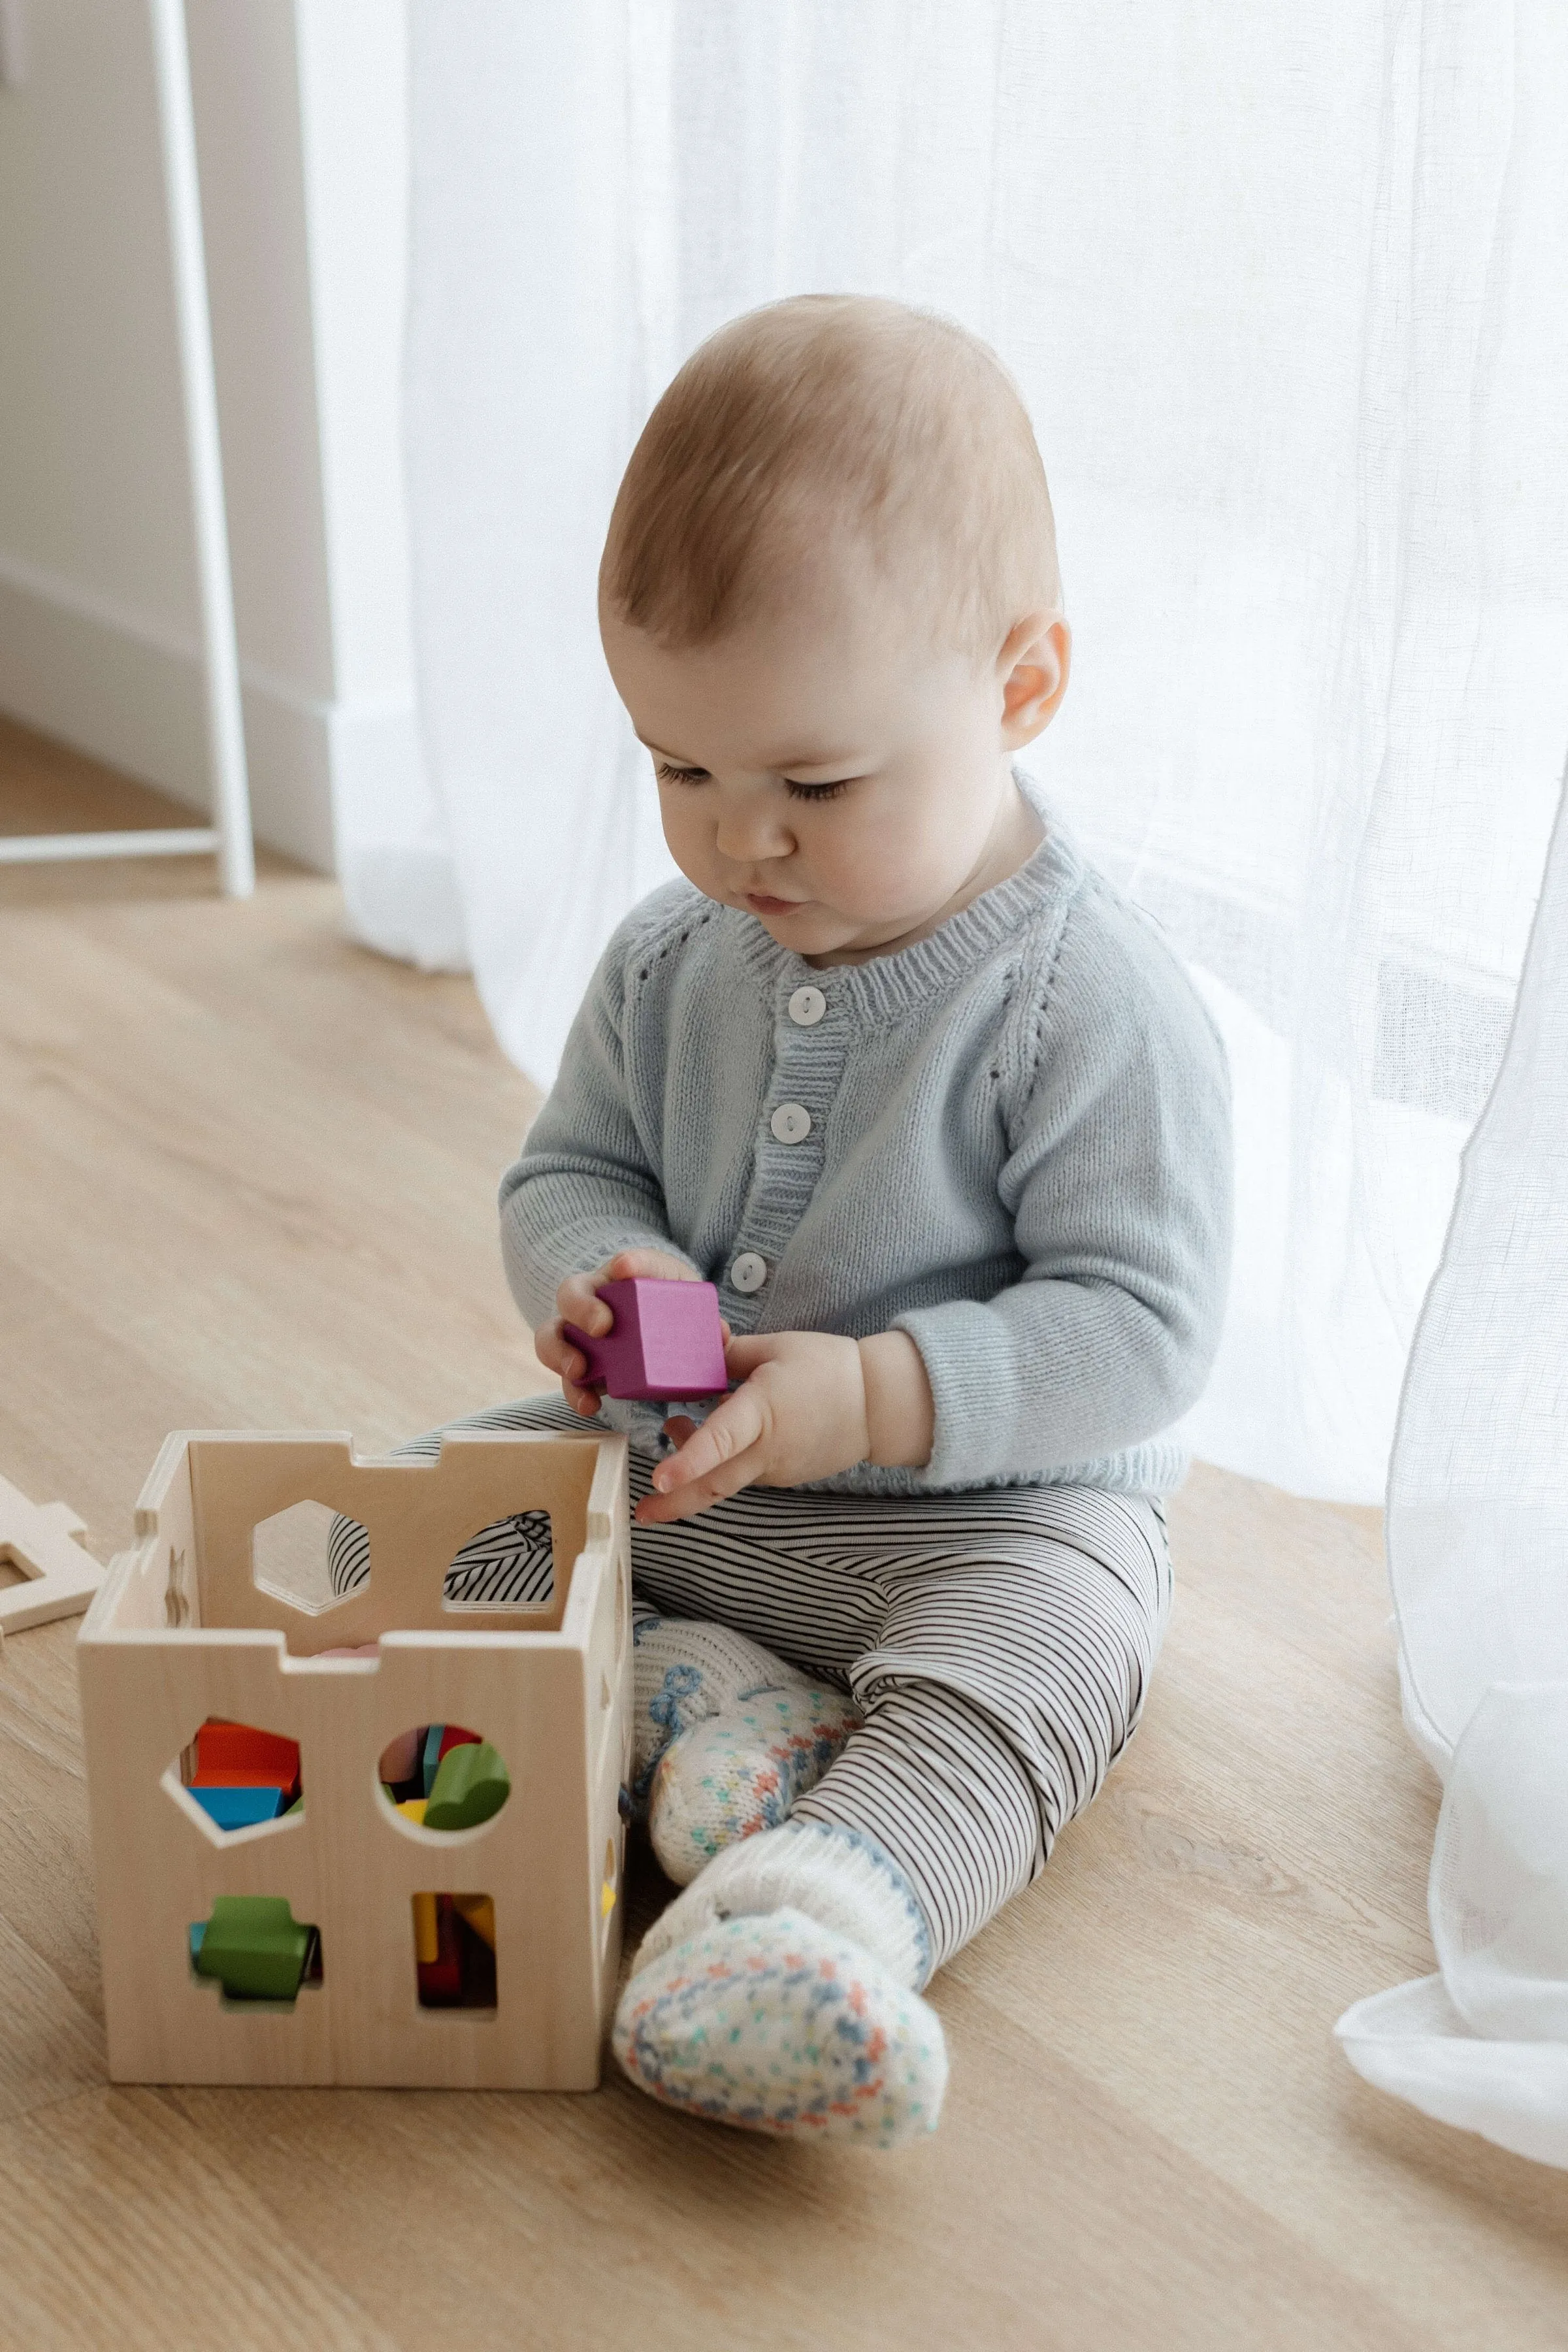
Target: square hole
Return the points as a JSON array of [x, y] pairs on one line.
[[455, 1951]]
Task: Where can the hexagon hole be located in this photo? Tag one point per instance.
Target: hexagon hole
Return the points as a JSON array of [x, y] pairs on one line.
[[242, 1778], [309, 1557], [440, 1776], [510, 1564]]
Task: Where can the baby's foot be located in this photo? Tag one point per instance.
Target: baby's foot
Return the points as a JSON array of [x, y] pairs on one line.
[[778, 1993], [685, 1671], [779, 2025], [740, 1772]]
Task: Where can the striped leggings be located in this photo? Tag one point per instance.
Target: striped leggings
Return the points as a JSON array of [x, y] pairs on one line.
[[998, 1643]]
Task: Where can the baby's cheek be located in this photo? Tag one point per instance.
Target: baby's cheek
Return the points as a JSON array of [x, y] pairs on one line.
[[893, 871]]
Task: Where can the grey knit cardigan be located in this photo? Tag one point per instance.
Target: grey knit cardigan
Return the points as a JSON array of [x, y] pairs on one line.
[[1015, 1147]]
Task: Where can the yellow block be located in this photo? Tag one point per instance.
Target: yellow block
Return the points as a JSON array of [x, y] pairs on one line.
[[426, 1941], [480, 1914]]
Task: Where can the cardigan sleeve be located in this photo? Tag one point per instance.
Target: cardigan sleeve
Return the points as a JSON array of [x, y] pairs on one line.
[[1118, 1181], [584, 1185]]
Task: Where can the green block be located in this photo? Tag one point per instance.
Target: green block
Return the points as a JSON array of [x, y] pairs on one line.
[[472, 1784], [254, 1946]]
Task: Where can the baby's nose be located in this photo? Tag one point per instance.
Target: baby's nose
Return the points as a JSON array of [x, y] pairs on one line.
[[747, 834]]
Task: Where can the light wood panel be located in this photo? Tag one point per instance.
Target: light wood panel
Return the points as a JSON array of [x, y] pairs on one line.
[[1151, 2138]]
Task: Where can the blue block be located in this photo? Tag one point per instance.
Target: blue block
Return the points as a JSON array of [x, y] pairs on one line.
[[432, 1757], [239, 1809]]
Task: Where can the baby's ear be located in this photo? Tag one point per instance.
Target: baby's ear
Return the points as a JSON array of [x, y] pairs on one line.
[[1033, 667]]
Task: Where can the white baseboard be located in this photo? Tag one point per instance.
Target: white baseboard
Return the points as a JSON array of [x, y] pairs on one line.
[[128, 692]]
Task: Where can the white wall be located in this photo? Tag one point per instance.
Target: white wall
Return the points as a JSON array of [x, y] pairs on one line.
[[300, 115]]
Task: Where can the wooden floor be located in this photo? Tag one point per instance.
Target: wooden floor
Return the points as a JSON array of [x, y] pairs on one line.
[[247, 1179]]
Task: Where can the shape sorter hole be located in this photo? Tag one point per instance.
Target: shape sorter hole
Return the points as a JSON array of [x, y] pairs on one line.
[[242, 1778], [454, 1950], [309, 1557], [510, 1564], [255, 1950], [443, 1777]]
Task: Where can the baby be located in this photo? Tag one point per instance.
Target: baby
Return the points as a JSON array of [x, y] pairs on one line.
[[942, 1118]]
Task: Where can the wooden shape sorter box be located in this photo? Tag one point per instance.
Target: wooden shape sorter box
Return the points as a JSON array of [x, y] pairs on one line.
[[182, 1633]]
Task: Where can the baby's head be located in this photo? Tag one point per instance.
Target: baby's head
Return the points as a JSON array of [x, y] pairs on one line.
[[830, 602]]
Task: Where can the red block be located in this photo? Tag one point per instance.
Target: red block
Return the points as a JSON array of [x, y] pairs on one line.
[[441, 1980], [237, 1756]]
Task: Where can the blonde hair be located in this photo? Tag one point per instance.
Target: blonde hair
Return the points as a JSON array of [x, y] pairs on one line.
[[897, 423]]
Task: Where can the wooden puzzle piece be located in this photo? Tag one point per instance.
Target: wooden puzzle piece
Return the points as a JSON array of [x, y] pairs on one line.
[[255, 1947], [470, 1786], [239, 1808], [240, 1755], [59, 1576]]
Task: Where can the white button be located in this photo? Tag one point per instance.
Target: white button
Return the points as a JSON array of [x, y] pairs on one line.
[[791, 1122], [749, 1272], [807, 1007]]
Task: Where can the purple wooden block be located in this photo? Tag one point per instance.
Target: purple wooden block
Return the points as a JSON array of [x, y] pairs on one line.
[[666, 1342]]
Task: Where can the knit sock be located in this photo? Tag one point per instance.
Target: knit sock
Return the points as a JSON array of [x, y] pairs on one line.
[[776, 1993], [685, 1671], [740, 1771]]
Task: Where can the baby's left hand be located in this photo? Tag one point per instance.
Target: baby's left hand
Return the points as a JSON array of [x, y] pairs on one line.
[[799, 1415]]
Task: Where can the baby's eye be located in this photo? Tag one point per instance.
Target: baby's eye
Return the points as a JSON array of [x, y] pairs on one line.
[[667, 774], [817, 792]]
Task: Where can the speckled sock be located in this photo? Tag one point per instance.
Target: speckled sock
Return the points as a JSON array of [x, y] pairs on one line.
[[685, 1671], [740, 1772], [775, 2025], [777, 1992]]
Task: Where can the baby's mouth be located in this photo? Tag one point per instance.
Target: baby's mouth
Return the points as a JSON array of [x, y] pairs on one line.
[[761, 903]]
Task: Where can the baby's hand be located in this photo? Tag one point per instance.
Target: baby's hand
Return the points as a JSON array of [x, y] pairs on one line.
[[578, 1301], [800, 1413]]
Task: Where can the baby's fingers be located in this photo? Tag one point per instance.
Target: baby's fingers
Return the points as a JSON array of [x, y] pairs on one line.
[[732, 1429], [557, 1354], [578, 1302], [700, 1493]]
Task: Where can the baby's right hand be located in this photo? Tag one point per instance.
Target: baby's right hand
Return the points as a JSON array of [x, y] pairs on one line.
[[578, 1301]]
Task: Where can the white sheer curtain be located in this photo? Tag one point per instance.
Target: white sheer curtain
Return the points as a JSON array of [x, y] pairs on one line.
[[1286, 292], [1279, 288], [1477, 1533]]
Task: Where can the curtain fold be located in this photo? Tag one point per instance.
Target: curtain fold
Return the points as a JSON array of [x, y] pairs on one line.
[[1284, 294], [1477, 1542]]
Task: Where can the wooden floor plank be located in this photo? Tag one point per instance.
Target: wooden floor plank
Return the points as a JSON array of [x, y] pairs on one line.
[[119, 2225], [246, 1178]]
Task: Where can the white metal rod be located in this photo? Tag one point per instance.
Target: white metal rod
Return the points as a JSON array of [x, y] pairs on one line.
[[152, 841], [226, 726]]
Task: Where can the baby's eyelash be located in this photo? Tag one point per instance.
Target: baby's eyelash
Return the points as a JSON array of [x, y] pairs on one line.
[[669, 773]]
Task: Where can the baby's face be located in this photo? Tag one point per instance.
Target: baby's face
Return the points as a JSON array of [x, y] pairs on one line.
[[820, 768]]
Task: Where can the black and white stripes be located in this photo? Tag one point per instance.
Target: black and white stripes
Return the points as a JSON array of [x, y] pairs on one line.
[[1000, 1643]]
